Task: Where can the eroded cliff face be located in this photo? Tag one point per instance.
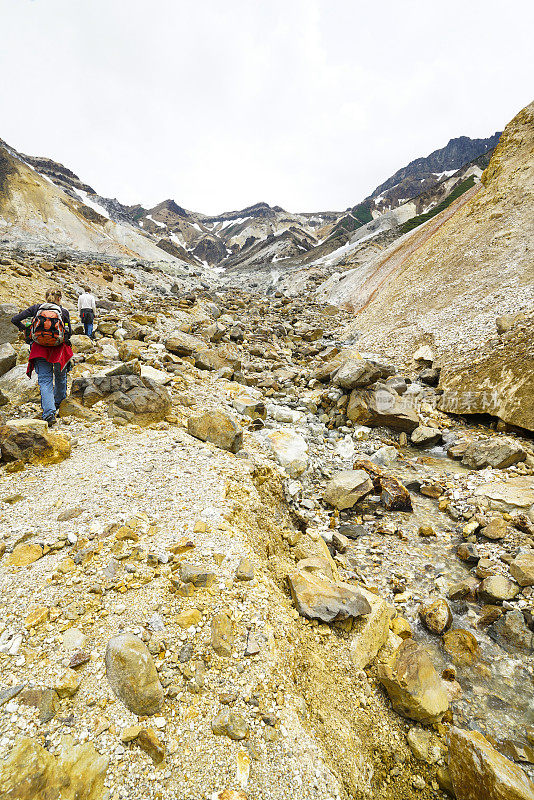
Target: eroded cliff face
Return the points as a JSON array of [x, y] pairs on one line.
[[474, 267]]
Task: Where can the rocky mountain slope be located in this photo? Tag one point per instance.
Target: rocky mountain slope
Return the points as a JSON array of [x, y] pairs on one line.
[[248, 240], [34, 210], [251, 561]]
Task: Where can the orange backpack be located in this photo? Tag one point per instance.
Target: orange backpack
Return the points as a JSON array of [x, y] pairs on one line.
[[48, 328]]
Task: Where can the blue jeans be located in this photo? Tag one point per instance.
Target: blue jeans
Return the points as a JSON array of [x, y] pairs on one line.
[[53, 385], [88, 328]]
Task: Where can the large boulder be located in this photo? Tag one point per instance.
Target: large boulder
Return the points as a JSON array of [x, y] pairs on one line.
[[359, 373], [183, 344], [318, 596], [497, 381], [81, 343], [29, 440], [215, 360], [522, 568], [414, 687], [290, 450], [219, 428], [8, 358], [31, 772], [508, 495], [132, 397], [370, 631], [17, 387], [381, 407], [132, 674], [8, 332], [496, 453], [347, 487], [479, 771]]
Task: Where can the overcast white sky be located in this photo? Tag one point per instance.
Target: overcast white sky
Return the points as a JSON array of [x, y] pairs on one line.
[[219, 104]]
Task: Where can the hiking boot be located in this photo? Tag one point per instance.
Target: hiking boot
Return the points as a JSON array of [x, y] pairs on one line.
[[51, 421]]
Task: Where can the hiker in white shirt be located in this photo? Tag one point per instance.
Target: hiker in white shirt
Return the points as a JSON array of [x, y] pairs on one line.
[[87, 310]]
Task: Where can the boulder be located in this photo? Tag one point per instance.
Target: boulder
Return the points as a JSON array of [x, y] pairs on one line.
[[462, 646], [250, 406], [32, 773], [8, 358], [346, 488], [29, 440], [17, 387], [131, 349], [318, 596], [132, 397], [423, 436], [497, 588], [8, 332], [159, 376], [25, 554], [436, 616], [370, 631], [424, 355], [359, 373], [479, 771], [82, 344], [522, 568], [497, 381], [498, 454], [215, 360], [132, 674], [507, 495], [227, 723], [430, 376], [219, 428], [72, 408], [512, 633], [495, 529], [414, 687], [394, 496], [183, 344], [290, 450], [381, 407]]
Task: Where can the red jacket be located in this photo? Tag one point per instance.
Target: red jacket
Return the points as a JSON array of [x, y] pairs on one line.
[[61, 354]]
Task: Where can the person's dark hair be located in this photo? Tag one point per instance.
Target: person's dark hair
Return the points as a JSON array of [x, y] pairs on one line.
[[87, 289]]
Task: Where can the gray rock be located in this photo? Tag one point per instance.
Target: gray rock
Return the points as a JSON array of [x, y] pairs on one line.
[[8, 332], [512, 633], [17, 387], [498, 454], [132, 674], [359, 373], [8, 358]]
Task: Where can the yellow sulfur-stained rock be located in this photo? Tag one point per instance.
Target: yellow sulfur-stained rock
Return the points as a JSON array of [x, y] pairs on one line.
[[24, 554], [479, 771]]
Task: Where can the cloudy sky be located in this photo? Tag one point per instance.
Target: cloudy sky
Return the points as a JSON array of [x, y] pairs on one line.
[[219, 104]]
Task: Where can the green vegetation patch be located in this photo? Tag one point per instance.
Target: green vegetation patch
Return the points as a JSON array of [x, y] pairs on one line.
[[414, 222], [358, 216]]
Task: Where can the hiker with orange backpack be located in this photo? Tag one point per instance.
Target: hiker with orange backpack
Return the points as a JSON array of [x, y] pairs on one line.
[[49, 333]]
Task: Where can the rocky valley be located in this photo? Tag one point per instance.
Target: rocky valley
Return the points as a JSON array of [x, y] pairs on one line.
[[280, 542]]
